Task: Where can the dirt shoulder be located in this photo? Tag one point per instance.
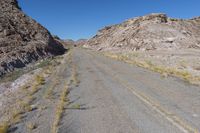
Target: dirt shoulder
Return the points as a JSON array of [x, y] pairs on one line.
[[36, 101], [180, 63]]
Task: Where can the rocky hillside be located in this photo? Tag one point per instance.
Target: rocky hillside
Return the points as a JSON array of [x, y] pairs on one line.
[[151, 32], [22, 40]]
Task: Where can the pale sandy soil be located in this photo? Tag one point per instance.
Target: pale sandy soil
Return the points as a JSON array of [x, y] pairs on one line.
[[188, 60], [181, 63], [35, 101], [9, 88]]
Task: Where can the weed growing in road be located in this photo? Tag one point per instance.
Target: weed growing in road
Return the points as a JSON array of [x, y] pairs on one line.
[[39, 80], [49, 93], [76, 106], [34, 89], [16, 116], [60, 109], [22, 107], [75, 76], [42, 108]]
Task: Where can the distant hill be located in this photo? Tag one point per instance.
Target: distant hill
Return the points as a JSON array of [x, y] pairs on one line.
[[78, 42], [81, 41], [22, 39], [151, 32]]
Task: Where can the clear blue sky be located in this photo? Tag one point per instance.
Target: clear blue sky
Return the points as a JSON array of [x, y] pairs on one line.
[[82, 18]]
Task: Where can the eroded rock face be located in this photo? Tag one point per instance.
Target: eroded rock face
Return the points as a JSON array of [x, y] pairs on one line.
[[151, 32], [22, 40]]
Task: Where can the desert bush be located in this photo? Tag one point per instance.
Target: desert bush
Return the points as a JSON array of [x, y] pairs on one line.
[[4, 127], [31, 126], [40, 80]]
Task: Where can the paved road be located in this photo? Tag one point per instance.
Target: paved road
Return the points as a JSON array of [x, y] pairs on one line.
[[115, 97]]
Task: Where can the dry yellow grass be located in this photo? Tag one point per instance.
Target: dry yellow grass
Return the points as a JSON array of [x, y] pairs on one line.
[[75, 76], [31, 126], [40, 80], [23, 105], [49, 92], [76, 106], [4, 127], [160, 69], [20, 108], [60, 109]]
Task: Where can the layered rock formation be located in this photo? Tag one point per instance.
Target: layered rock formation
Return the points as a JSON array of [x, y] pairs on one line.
[[151, 32], [22, 39]]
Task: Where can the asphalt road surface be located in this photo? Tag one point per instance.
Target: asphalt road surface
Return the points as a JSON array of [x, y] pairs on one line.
[[115, 97]]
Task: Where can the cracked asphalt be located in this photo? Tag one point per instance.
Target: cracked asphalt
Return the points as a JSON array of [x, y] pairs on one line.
[[115, 97]]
